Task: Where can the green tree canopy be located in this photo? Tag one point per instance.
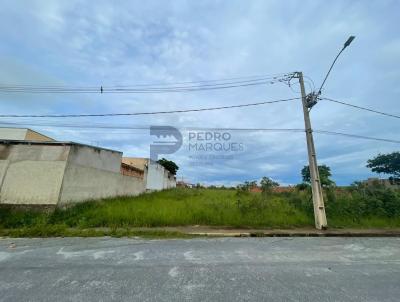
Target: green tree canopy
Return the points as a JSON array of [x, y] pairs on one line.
[[169, 165], [247, 185], [386, 163], [267, 184], [324, 175]]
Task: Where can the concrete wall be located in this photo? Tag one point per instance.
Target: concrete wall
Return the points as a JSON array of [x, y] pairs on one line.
[[31, 174], [171, 182], [22, 134], [155, 177], [85, 183], [97, 158], [20, 152], [13, 133], [59, 174], [158, 178], [32, 182]]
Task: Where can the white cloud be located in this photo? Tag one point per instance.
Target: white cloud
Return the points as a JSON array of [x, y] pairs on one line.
[[78, 43]]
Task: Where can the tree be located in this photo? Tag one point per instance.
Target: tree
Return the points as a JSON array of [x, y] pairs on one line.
[[387, 164], [169, 165], [324, 175], [247, 185], [267, 184], [251, 184]]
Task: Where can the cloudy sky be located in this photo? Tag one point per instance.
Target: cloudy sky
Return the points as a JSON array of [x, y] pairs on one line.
[[86, 43]]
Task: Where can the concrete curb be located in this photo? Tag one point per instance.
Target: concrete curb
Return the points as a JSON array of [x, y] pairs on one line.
[[211, 232], [296, 234]]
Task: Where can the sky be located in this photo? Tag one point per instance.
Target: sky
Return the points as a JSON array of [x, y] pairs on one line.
[[106, 43]]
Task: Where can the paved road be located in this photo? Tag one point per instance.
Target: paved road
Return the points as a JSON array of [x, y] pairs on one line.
[[226, 269]]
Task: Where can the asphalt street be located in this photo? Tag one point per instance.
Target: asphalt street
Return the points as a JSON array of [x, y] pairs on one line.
[[224, 269]]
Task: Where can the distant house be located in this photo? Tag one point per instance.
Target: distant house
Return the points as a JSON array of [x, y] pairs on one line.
[[155, 175], [183, 184], [258, 189], [283, 189], [389, 183], [130, 170]]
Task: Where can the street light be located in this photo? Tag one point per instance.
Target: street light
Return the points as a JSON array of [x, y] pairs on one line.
[[308, 102], [346, 44]]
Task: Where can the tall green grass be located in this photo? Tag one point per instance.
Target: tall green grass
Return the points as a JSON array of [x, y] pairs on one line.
[[176, 207], [216, 207], [180, 207]]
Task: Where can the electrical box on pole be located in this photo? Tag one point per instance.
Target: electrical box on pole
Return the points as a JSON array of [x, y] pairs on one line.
[[318, 199]]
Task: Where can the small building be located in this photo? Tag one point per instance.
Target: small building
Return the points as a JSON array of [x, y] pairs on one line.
[[129, 170], [156, 176], [255, 189], [388, 182], [183, 184], [258, 189]]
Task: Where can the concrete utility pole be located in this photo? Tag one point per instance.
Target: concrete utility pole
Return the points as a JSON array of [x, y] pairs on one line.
[[318, 199]]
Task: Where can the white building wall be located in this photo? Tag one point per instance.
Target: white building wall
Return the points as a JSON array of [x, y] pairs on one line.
[[159, 178], [171, 182], [155, 176], [165, 179]]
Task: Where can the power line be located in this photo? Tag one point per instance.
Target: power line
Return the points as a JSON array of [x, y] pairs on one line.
[[128, 127], [362, 108], [118, 87], [101, 90], [357, 136], [142, 88], [144, 113], [134, 127], [250, 77]]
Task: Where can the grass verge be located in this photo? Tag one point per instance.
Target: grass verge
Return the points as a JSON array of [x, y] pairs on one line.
[[46, 231]]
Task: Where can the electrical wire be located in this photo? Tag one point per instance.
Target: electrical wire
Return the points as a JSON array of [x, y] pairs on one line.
[[111, 88], [144, 88], [143, 113], [360, 107], [128, 127], [357, 136], [252, 77]]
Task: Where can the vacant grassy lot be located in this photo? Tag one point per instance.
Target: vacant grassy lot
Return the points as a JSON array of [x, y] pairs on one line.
[[168, 208], [357, 207]]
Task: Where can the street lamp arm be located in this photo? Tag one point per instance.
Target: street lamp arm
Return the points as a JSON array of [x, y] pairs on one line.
[[346, 44], [329, 71]]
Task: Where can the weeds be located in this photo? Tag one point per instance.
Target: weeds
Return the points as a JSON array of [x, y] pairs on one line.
[[353, 207]]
